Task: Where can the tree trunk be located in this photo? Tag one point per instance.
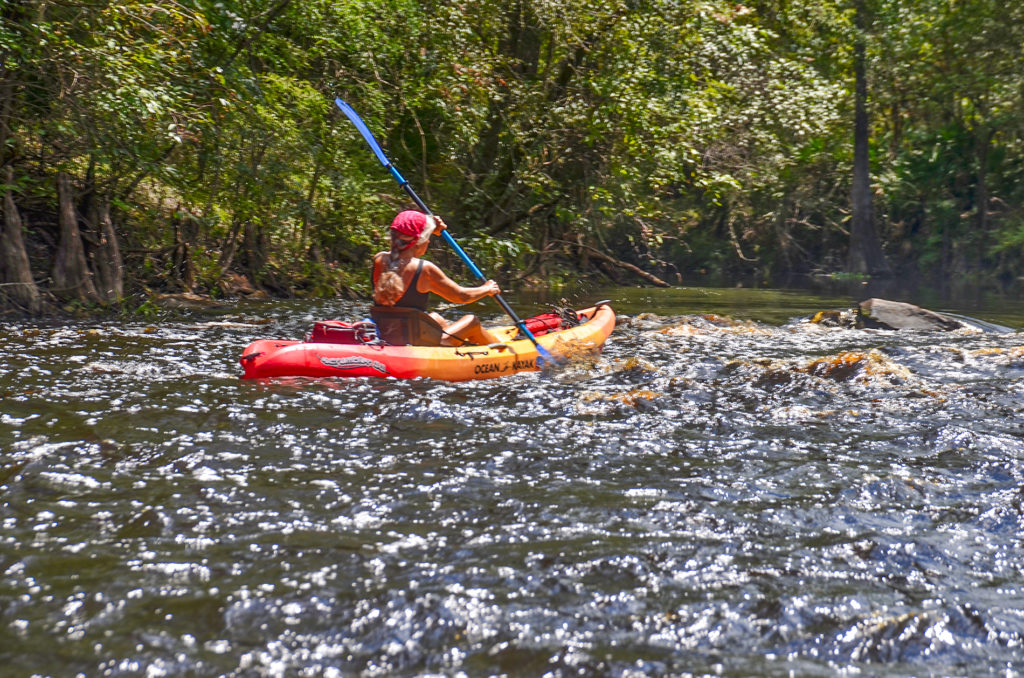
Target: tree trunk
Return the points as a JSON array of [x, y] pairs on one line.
[[186, 232], [310, 196], [230, 247], [6, 110], [865, 254], [72, 280], [493, 167], [105, 254], [254, 250], [16, 283], [981, 199]]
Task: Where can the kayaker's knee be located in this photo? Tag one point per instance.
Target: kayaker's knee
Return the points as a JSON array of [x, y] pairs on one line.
[[466, 330]]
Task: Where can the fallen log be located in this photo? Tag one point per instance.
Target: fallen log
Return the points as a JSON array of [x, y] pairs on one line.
[[636, 270]]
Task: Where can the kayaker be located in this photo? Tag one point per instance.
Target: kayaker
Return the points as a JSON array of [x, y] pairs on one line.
[[402, 281]]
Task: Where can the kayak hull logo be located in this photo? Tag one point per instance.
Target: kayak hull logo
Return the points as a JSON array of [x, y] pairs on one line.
[[354, 363], [515, 366]]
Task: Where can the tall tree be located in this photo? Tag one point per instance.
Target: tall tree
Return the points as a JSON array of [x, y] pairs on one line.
[[865, 254]]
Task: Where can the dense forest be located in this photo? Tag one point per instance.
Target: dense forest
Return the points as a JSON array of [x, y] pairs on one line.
[[192, 145]]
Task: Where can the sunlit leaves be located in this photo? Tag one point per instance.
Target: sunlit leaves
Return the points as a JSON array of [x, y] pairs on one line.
[[633, 125]]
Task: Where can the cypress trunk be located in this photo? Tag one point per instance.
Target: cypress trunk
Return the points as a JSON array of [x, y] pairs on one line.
[[72, 280], [18, 287], [105, 254]]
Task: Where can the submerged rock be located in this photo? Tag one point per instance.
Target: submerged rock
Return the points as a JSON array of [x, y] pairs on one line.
[[845, 319], [896, 315], [871, 366], [187, 301]]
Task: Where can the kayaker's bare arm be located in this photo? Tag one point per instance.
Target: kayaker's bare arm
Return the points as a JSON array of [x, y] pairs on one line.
[[434, 280]]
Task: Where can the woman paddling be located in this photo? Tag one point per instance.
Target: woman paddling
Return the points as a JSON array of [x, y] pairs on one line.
[[402, 282]]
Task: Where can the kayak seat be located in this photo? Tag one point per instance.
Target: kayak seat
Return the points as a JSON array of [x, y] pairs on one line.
[[402, 326]]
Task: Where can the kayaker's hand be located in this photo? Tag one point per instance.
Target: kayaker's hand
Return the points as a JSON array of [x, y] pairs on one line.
[[490, 288], [439, 225]]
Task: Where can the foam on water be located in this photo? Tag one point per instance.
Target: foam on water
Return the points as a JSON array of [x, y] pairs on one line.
[[713, 494]]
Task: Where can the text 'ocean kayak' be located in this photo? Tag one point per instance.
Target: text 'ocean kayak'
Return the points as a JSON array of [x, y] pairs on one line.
[[354, 352]]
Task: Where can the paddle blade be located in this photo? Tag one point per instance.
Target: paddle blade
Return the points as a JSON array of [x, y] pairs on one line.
[[544, 357], [364, 130]]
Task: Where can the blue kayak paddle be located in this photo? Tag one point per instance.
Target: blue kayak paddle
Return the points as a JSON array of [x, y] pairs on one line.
[[543, 354]]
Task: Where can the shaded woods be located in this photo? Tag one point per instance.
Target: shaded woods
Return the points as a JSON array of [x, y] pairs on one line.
[[191, 146]]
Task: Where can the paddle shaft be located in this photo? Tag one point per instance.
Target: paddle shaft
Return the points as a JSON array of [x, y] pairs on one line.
[[379, 152]]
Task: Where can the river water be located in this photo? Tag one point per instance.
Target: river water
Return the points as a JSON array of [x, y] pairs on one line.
[[728, 489]]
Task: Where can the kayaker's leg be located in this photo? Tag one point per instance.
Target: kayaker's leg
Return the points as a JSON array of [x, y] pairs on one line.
[[469, 329]]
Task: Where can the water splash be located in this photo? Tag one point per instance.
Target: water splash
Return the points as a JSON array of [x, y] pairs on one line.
[[709, 495]]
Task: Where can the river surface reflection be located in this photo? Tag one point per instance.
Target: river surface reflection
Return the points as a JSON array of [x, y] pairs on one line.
[[727, 489]]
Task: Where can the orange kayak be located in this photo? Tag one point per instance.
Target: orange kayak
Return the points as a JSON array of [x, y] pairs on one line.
[[360, 355]]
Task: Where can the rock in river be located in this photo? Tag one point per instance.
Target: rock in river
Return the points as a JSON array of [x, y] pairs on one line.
[[895, 315]]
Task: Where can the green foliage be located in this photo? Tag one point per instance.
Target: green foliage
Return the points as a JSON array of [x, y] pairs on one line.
[[696, 134]]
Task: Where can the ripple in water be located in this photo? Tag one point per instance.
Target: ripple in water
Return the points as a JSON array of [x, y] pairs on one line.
[[711, 495]]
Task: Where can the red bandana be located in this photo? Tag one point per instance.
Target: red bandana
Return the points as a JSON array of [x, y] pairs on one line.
[[411, 224]]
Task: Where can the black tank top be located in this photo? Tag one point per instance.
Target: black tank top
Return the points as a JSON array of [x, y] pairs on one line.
[[413, 298]]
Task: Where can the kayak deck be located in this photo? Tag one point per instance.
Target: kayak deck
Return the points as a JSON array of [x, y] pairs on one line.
[[268, 358]]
